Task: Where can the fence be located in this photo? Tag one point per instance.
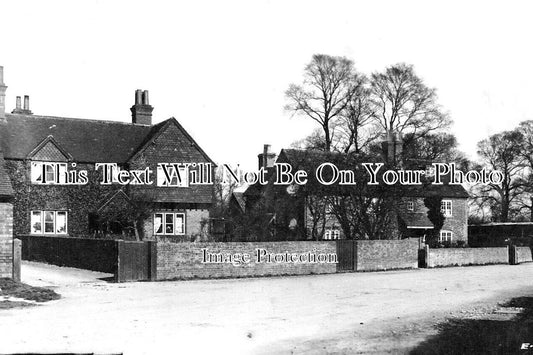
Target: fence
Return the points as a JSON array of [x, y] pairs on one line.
[[128, 261]]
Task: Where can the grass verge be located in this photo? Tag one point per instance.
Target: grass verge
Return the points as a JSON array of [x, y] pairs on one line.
[[9, 287]]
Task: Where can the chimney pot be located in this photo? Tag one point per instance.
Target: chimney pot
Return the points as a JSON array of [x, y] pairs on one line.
[[138, 97], [267, 158], [3, 89], [145, 97], [26, 103], [18, 105]]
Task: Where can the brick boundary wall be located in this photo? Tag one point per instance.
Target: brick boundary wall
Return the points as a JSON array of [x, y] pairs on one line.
[[518, 255], [377, 255], [90, 254], [186, 260], [465, 256]]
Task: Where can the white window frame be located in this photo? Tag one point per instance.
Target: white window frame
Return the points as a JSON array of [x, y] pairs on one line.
[[332, 234], [36, 172], [174, 223], [327, 234], [54, 221], [446, 212], [445, 236], [410, 206], [183, 172]]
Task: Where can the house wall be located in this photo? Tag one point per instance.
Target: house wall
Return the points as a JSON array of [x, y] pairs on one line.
[[6, 239], [457, 223], [172, 146], [325, 222], [79, 201], [195, 225], [184, 260]]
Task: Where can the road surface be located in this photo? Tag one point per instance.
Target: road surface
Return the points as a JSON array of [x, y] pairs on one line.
[[342, 313]]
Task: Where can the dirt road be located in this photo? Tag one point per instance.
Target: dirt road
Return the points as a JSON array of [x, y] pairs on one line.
[[341, 313]]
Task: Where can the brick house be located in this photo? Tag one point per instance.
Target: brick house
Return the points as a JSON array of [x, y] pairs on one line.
[[37, 149], [295, 211]]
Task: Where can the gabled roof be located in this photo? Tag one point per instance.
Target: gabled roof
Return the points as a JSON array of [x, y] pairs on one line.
[[86, 141], [49, 143], [160, 128], [116, 196]]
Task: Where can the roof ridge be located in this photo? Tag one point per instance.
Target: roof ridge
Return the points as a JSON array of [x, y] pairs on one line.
[[77, 119]]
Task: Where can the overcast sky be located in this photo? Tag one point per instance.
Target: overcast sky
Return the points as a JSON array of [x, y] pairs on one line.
[[221, 67]]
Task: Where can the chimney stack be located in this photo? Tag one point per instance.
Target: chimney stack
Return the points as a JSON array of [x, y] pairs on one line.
[[22, 111], [267, 158], [392, 148], [141, 111], [3, 89]]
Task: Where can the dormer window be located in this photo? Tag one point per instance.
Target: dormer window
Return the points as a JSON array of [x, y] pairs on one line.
[[46, 173]]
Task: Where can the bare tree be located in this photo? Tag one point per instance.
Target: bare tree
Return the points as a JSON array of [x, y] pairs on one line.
[[329, 85], [356, 127], [401, 102], [526, 152], [503, 152]]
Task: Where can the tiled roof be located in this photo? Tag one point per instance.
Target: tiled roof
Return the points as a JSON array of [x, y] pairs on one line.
[[85, 140]]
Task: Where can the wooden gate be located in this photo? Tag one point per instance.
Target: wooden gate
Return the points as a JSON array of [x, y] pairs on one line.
[[346, 255], [137, 261]]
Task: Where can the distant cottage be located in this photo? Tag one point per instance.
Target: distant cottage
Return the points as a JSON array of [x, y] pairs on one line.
[[28, 141]]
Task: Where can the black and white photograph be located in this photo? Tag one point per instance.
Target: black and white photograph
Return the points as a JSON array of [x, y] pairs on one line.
[[266, 177]]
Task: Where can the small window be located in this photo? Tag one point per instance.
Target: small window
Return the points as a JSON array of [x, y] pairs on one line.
[[158, 223], [445, 236], [36, 222], [332, 234], [446, 208], [172, 175], [48, 222], [410, 206], [336, 234], [48, 173], [169, 223]]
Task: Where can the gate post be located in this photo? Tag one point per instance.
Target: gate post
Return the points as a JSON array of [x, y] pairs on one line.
[[119, 246], [17, 256], [152, 260]]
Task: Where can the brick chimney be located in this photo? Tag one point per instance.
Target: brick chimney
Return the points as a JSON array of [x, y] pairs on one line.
[[141, 112], [392, 148], [267, 158], [3, 89], [22, 111]]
